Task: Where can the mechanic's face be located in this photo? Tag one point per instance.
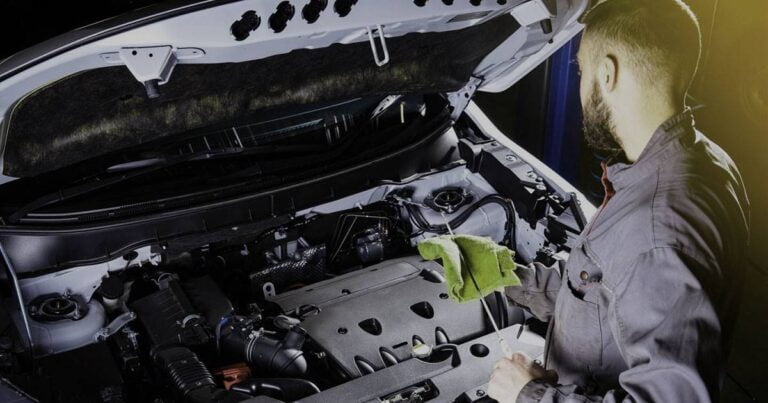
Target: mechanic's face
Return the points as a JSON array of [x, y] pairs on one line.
[[599, 129]]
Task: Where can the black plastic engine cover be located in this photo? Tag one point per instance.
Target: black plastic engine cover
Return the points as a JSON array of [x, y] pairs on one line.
[[370, 316], [166, 315]]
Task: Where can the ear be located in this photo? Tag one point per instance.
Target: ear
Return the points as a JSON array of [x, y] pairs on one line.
[[608, 73]]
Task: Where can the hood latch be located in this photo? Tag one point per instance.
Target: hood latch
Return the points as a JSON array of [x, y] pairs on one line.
[[152, 65]]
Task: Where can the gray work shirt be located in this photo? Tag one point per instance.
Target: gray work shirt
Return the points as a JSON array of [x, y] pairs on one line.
[[639, 312]]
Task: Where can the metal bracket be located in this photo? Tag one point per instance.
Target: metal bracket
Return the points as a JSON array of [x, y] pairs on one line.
[[460, 99], [384, 59], [115, 326], [531, 12], [268, 289], [151, 66]]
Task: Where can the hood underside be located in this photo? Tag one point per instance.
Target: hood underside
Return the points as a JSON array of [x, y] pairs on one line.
[[101, 106], [112, 110]]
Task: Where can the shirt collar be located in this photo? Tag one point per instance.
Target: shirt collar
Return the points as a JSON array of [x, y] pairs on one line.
[[668, 138]]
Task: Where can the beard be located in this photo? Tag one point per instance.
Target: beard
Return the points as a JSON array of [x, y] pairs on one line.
[[599, 130]]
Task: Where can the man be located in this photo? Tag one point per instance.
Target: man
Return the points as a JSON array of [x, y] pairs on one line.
[[640, 310]]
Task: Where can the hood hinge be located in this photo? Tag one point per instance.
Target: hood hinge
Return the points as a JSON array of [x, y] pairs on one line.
[[532, 12], [460, 99]]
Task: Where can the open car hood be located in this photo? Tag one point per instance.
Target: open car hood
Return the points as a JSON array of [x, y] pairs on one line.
[[164, 71]]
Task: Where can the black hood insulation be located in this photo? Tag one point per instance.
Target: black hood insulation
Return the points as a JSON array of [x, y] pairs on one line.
[[105, 110]]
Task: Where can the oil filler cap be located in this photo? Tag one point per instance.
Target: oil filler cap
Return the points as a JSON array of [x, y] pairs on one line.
[[421, 351]]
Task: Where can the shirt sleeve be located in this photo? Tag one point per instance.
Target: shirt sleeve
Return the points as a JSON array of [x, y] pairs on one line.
[[538, 290], [667, 331]]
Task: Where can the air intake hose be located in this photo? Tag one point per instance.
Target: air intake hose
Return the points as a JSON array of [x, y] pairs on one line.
[[281, 357], [191, 378]]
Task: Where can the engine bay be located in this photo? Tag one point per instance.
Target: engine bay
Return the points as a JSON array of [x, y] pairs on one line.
[[333, 304]]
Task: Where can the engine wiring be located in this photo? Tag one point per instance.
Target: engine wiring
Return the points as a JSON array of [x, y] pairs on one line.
[[417, 217]]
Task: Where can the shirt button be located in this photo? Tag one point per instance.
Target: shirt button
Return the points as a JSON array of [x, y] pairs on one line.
[[584, 276]]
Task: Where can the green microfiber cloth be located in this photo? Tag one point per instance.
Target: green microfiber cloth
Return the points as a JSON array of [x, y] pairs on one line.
[[492, 264]]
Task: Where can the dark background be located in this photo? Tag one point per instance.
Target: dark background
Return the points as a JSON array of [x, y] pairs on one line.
[[734, 87], [542, 113]]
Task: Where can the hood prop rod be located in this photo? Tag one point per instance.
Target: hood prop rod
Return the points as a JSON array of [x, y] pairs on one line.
[[17, 290]]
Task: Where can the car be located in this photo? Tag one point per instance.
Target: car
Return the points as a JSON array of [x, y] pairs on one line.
[[221, 200]]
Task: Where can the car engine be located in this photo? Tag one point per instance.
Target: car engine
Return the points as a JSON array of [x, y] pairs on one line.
[[332, 305]]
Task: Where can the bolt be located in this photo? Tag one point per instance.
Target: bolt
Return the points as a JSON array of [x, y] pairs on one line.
[[480, 393], [319, 355], [511, 157]]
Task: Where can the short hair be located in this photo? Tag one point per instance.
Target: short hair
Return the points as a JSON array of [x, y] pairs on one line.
[[661, 37]]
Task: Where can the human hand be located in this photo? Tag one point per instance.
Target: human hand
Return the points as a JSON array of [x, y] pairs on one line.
[[511, 375]]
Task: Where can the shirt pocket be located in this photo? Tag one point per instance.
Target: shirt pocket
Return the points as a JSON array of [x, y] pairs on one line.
[[578, 323]]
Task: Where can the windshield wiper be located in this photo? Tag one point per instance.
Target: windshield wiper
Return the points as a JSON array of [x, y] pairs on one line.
[[164, 162], [129, 170]]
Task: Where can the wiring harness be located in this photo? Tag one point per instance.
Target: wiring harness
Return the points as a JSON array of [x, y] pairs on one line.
[[417, 217]]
